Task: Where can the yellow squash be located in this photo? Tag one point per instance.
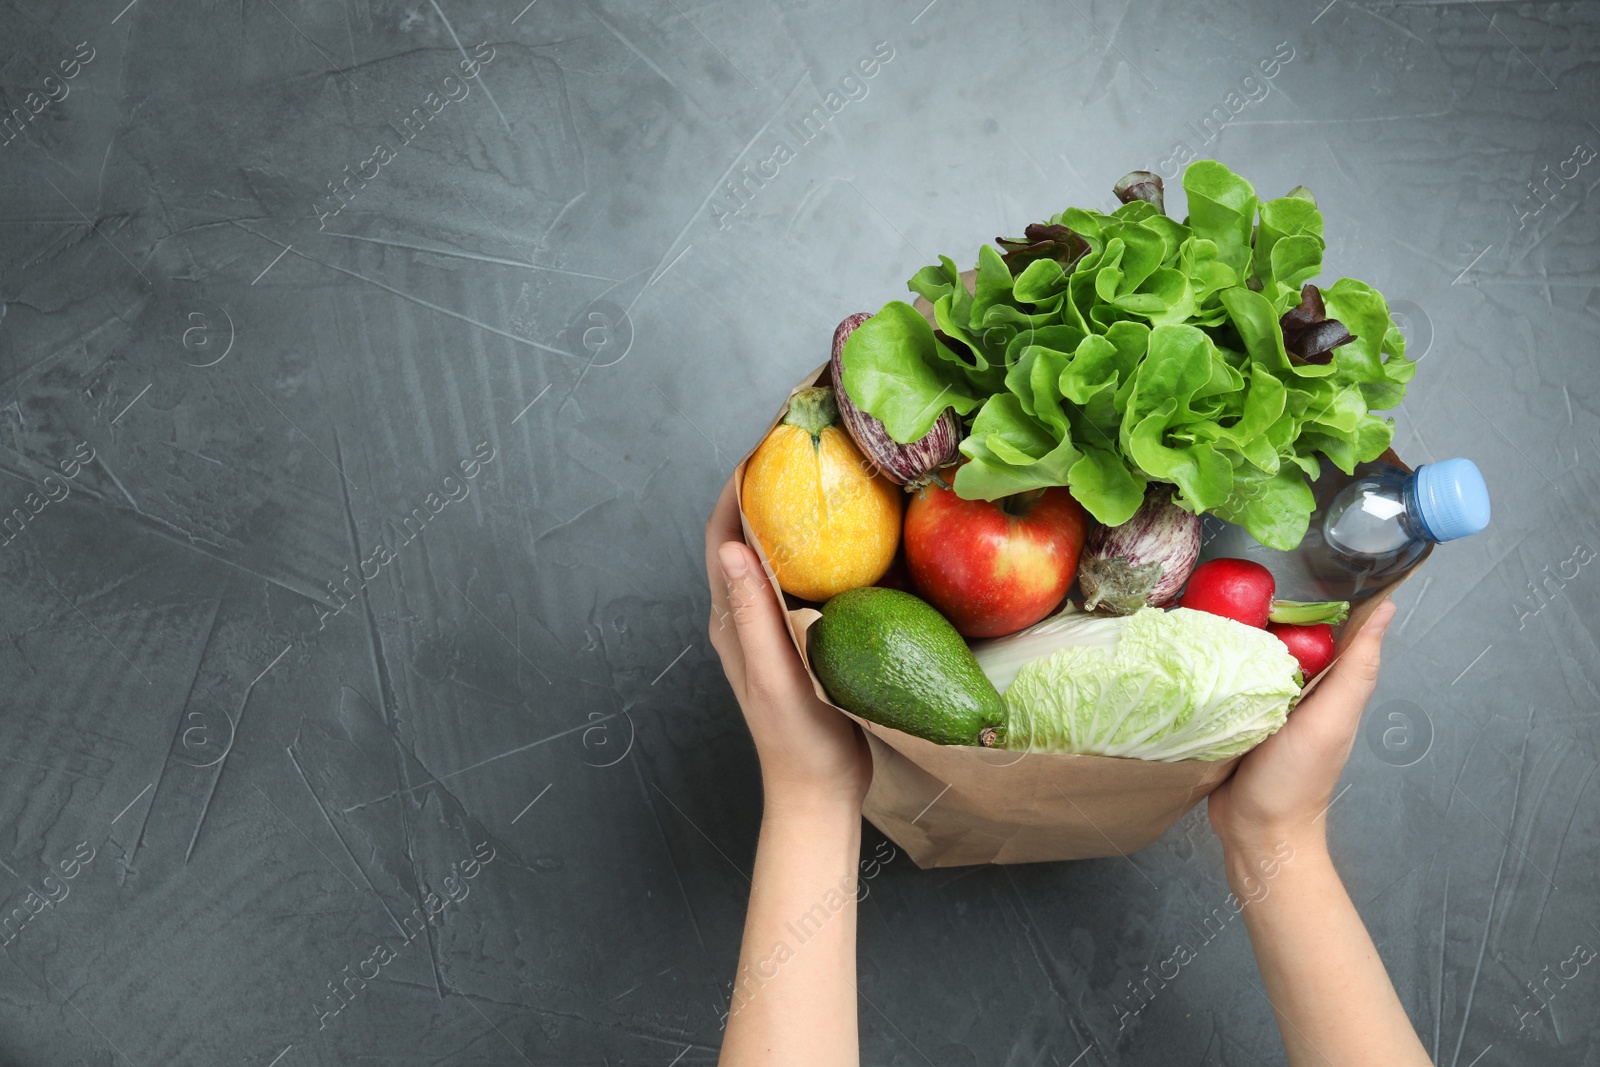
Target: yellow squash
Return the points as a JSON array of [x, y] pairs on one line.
[[826, 519]]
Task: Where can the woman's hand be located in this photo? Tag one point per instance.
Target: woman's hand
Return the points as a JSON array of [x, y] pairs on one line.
[[1281, 789], [789, 1006], [1325, 981], [810, 754]]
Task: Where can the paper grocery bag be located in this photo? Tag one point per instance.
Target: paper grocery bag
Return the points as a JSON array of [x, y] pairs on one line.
[[952, 805]]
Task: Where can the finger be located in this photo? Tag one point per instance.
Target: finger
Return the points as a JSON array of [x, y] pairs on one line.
[[1335, 707], [723, 526], [772, 666], [724, 522]]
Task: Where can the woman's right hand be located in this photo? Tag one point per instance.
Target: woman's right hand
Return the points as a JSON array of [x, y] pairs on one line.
[[1282, 787], [1324, 978]]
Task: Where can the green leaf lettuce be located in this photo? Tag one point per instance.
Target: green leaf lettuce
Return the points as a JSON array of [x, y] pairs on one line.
[[1105, 351]]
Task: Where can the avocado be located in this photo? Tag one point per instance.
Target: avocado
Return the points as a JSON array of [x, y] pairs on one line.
[[894, 660]]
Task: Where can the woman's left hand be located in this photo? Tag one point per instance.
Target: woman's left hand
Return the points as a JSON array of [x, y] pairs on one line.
[[810, 754]]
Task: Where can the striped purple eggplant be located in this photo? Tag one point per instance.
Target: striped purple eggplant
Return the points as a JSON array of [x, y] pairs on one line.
[[911, 465], [1145, 561]]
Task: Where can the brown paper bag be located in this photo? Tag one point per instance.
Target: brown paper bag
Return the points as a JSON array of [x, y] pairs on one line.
[[951, 805]]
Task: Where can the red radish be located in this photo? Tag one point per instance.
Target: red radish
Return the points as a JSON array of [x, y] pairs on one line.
[[1236, 589], [1311, 645]]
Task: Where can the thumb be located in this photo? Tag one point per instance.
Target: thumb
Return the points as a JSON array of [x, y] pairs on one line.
[[1336, 705], [771, 663]]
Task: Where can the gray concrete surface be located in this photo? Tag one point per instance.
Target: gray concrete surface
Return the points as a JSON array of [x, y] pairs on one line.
[[259, 715]]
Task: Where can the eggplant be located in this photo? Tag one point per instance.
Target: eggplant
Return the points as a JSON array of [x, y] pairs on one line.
[[1145, 561], [911, 465]]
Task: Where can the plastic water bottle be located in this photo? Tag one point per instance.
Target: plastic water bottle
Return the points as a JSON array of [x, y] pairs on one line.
[[1366, 531]]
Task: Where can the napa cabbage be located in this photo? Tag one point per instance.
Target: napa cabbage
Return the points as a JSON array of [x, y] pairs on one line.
[[1154, 685]]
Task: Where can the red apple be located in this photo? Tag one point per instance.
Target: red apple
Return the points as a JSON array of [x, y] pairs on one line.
[[994, 567]]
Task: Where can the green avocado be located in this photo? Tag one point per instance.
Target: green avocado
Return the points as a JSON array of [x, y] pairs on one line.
[[894, 660]]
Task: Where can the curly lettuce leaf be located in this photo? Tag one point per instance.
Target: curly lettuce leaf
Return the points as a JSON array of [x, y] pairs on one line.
[[1010, 451], [1222, 209], [898, 372], [1274, 506], [1288, 249]]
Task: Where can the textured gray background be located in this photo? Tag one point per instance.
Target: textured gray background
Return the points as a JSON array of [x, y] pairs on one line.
[[267, 396]]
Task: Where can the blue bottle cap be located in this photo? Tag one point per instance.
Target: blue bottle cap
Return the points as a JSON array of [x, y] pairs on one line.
[[1452, 499]]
